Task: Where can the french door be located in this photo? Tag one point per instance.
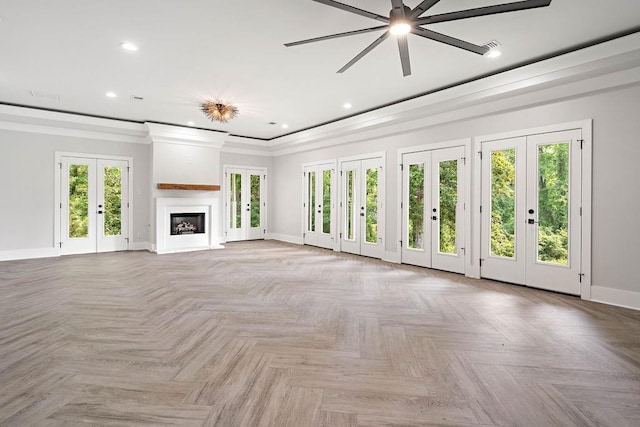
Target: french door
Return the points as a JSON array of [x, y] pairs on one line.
[[531, 203], [94, 205], [246, 203], [319, 205], [363, 207], [433, 209]]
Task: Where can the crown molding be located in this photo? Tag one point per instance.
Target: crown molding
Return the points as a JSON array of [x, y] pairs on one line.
[[33, 120]]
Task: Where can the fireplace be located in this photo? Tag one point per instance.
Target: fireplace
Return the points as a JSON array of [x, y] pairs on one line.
[[187, 223]]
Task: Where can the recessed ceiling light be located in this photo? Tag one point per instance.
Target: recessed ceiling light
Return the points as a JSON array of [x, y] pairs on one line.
[[493, 53], [347, 106], [110, 95], [190, 123], [284, 126], [129, 46]]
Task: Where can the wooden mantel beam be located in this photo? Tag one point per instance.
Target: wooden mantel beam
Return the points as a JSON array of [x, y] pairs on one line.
[[198, 187]]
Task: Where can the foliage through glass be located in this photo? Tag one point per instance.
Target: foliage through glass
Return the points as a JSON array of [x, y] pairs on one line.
[[448, 171], [553, 203], [112, 201], [372, 206], [503, 202], [415, 238], [78, 201]]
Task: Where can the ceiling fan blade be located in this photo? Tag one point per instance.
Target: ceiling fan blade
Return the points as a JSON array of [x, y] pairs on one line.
[[403, 47], [482, 11], [355, 10], [452, 41], [368, 49], [337, 35], [422, 8]]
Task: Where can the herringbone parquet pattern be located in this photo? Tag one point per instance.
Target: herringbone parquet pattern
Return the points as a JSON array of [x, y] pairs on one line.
[[265, 333]]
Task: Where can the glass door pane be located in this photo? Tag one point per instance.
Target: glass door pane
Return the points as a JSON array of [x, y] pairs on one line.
[[371, 205], [235, 200], [448, 173], [553, 203], [415, 225], [112, 201], [78, 201], [312, 201], [503, 203], [326, 201], [350, 205], [254, 184]]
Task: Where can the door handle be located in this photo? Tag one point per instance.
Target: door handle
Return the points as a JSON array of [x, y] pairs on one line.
[[435, 218], [532, 221], [361, 213], [99, 212]]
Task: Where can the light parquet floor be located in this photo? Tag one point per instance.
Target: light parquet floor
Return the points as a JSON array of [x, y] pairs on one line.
[[270, 334]]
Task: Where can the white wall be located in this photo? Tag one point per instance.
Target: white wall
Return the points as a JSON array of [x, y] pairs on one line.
[[27, 171], [616, 151]]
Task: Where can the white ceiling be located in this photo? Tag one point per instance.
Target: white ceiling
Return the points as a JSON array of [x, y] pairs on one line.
[[192, 50]]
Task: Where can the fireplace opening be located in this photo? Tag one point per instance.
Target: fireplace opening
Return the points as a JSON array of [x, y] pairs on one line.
[[187, 223]]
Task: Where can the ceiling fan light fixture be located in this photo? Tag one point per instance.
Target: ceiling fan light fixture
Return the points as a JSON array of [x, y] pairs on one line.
[[400, 27], [218, 111]]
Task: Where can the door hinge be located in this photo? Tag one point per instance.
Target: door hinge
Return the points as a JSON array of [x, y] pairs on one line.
[[400, 243], [464, 160], [60, 205], [60, 164], [481, 259], [580, 276], [580, 210], [340, 173], [60, 243], [128, 169], [464, 251], [264, 231], [480, 153], [304, 235], [581, 141], [400, 205], [480, 208], [341, 235], [127, 239], [401, 167], [340, 204], [265, 176], [128, 205]]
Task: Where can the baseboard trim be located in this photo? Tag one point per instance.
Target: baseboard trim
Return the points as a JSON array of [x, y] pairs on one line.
[[29, 254], [140, 246], [617, 297], [296, 240]]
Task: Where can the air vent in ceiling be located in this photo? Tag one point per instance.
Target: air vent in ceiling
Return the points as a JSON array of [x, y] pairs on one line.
[[135, 98], [45, 95], [492, 44], [271, 123]]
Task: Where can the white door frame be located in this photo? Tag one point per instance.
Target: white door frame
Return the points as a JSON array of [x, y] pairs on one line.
[[263, 196], [467, 246], [586, 126], [331, 164], [58, 155], [340, 217]]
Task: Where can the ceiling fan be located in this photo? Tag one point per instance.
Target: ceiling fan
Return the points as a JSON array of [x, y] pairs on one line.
[[403, 20]]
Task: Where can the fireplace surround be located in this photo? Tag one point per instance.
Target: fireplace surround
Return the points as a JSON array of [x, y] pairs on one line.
[[186, 224]]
